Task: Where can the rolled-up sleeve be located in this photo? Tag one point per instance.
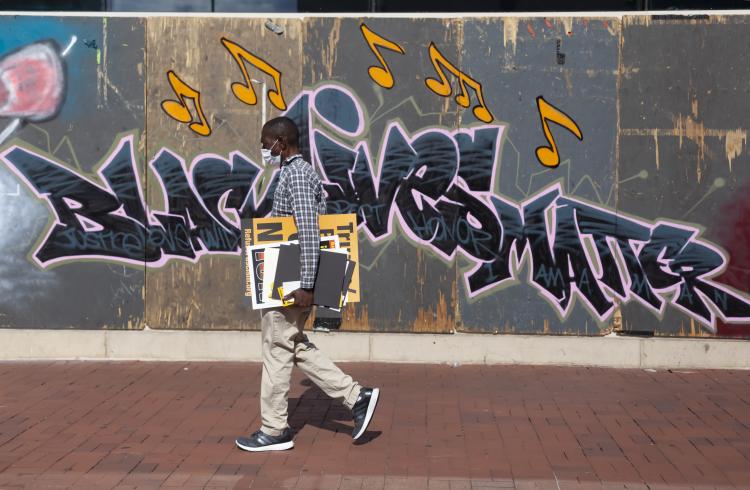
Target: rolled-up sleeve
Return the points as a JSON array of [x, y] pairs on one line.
[[305, 211]]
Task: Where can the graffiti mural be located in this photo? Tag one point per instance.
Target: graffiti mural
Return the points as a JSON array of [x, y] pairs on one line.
[[109, 219], [446, 188], [438, 184], [54, 74]]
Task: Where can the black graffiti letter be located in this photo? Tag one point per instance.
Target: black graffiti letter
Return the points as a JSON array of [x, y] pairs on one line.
[[205, 230], [434, 171], [89, 222]]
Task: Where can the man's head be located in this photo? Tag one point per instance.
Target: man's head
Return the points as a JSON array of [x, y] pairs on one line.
[[281, 136]]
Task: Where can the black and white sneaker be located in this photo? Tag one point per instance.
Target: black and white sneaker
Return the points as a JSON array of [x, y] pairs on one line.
[[363, 410], [260, 441]]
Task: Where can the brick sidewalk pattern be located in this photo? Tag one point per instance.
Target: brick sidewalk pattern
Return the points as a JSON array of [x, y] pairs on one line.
[[130, 425]]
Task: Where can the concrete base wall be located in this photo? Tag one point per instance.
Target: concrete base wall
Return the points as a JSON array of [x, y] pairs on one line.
[[183, 345]]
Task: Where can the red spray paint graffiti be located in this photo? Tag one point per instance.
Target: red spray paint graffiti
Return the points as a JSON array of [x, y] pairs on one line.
[[734, 236], [32, 82]]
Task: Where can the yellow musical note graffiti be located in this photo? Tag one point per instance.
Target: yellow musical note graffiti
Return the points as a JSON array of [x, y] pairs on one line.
[[381, 75], [245, 91], [179, 111], [443, 88], [548, 155]]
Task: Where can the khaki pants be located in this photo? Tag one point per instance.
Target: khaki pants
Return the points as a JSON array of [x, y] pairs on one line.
[[284, 345]]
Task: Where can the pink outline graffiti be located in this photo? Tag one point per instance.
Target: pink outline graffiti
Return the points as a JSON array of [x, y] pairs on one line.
[[151, 213], [636, 246], [517, 263], [128, 139]]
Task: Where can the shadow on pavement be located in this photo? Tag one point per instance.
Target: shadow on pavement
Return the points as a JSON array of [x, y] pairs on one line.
[[316, 408]]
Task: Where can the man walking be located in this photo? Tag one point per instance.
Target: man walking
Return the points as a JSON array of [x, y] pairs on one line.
[[299, 193]]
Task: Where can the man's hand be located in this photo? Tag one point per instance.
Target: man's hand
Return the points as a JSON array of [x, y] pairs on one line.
[[301, 297]]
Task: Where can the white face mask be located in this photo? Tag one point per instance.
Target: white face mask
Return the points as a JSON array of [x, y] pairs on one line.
[[268, 158]]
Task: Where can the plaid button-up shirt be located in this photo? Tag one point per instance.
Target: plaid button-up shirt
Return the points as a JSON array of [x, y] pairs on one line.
[[299, 193]]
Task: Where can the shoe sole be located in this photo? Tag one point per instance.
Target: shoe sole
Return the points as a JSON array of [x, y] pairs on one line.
[[282, 446], [370, 410]]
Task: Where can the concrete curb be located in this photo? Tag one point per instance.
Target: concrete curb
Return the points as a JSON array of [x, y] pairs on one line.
[[193, 345]]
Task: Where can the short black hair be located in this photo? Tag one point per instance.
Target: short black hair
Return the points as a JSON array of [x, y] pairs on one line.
[[282, 127]]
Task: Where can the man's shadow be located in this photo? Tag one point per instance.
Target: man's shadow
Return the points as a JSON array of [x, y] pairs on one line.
[[316, 408]]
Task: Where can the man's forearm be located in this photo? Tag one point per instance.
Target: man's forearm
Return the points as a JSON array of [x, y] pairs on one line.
[[309, 244], [309, 254]]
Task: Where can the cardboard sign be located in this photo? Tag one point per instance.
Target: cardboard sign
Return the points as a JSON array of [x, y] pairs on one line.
[[262, 231], [254, 263]]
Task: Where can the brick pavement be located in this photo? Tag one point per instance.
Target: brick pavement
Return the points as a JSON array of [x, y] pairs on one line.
[[133, 425]]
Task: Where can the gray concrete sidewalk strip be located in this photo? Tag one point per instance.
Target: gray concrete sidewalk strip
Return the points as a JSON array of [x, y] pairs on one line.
[[193, 345]]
